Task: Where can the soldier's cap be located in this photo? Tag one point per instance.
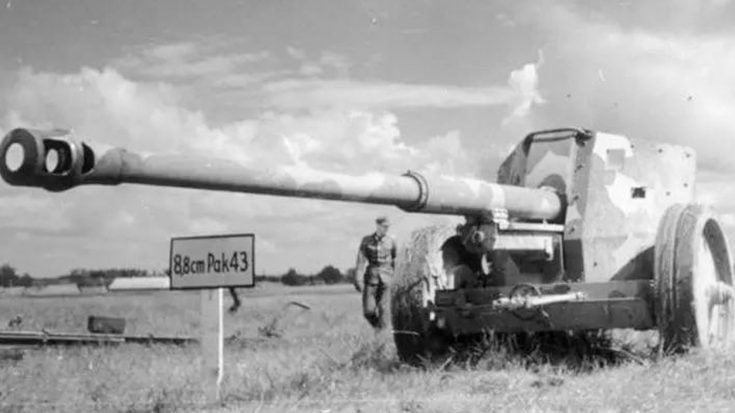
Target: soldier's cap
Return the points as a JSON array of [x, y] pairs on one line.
[[382, 220]]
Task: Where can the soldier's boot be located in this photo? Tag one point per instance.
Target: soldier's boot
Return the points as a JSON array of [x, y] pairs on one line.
[[370, 305], [382, 301]]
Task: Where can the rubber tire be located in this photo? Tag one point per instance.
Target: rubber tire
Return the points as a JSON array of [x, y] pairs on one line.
[[419, 273], [689, 239]]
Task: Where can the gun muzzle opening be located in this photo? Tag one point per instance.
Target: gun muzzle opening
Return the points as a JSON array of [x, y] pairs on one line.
[[57, 157], [18, 157], [47, 159], [14, 157]]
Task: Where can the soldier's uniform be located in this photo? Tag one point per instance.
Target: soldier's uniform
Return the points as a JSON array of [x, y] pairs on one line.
[[380, 253]]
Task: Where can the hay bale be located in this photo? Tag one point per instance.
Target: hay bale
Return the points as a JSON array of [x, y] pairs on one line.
[[419, 273]]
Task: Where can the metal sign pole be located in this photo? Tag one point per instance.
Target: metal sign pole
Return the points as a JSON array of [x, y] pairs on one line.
[[212, 343]]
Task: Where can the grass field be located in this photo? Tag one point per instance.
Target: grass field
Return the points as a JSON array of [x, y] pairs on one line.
[[280, 357]]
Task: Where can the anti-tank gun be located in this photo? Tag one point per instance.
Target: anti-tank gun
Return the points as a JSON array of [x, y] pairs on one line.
[[582, 231]]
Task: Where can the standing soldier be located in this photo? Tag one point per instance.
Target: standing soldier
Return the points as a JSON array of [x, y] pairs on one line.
[[377, 252]]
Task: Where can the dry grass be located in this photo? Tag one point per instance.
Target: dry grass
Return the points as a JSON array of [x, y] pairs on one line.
[[325, 359]]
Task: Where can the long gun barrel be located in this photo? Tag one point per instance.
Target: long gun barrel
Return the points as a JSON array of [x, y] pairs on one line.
[[56, 161]]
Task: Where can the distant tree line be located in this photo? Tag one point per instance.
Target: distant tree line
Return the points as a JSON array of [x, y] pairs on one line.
[[101, 277], [9, 277], [84, 277], [327, 275]]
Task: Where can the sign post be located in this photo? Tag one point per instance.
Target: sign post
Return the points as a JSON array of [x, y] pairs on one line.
[[212, 342], [208, 264]]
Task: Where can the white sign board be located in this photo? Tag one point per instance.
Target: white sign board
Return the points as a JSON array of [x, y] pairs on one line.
[[212, 261]]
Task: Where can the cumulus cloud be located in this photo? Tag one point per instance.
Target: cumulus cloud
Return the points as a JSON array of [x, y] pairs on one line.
[[341, 140], [524, 82], [124, 225], [446, 154], [108, 108]]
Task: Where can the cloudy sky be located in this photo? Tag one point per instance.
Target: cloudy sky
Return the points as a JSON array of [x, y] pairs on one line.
[[349, 86]]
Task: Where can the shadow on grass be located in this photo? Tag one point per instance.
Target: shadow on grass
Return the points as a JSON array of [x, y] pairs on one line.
[[579, 352], [368, 359], [573, 351]]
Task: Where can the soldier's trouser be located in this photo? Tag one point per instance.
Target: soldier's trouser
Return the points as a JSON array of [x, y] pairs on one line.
[[375, 300]]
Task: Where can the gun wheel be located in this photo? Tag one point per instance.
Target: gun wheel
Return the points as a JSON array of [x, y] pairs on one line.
[[420, 272], [695, 303]]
